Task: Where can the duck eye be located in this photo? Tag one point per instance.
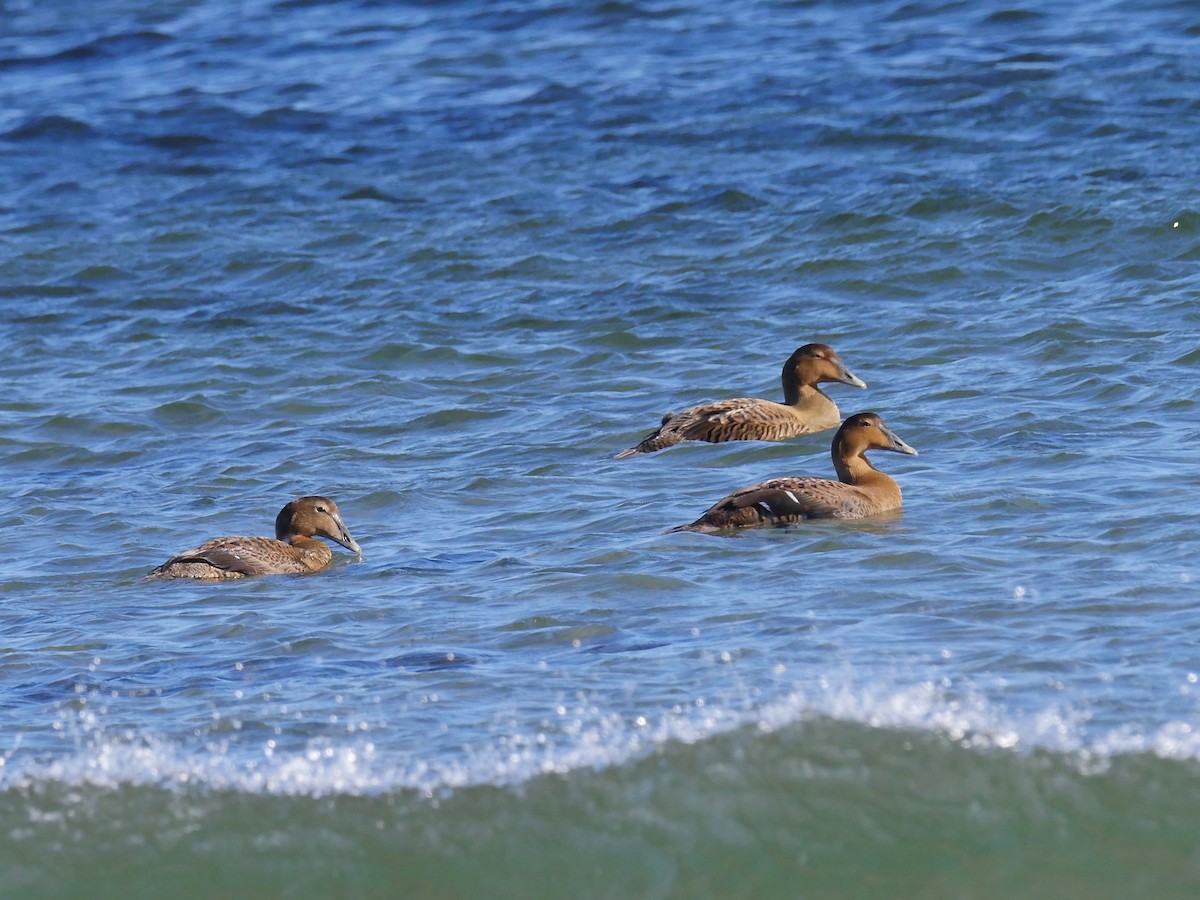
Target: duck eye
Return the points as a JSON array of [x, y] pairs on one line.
[[322, 509]]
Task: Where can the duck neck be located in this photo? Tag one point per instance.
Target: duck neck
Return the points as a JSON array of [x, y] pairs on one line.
[[856, 470], [850, 467], [805, 396]]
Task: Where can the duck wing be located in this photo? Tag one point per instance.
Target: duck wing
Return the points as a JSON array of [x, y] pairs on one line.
[[737, 419], [795, 499], [780, 501], [719, 420], [233, 557]]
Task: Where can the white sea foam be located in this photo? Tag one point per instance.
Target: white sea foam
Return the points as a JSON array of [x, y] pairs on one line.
[[585, 738]]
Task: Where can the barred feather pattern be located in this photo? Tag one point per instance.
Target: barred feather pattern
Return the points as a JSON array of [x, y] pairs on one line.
[[785, 501], [245, 557], [741, 419]]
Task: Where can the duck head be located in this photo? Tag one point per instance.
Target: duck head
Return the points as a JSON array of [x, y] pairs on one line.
[[866, 431], [314, 517], [816, 363]]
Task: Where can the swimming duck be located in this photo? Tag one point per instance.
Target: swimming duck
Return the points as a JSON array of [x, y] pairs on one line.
[[861, 490], [805, 408], [293, 550]]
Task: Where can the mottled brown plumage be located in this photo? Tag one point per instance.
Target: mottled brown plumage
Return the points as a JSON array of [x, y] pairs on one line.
[[805, 408], [861, 490], [293, 551]]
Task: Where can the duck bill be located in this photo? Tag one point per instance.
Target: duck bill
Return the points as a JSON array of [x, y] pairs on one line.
[[851, 379], [897, 444], [343, 538]]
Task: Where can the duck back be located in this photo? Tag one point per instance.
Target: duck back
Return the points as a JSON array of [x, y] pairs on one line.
[[245, 557]]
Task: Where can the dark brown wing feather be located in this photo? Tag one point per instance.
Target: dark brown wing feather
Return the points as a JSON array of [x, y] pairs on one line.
[[738, 419], [234, 557], [741, 419], [226, 560], [782, 501]]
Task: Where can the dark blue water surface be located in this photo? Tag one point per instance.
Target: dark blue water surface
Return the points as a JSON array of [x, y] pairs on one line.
[[441, 262]]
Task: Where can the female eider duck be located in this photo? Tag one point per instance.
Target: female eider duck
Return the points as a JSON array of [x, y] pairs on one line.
[[293, 551], [861, 490], [805, 408]]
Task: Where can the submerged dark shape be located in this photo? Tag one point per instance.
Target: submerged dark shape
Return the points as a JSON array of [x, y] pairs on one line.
[[805, 408], [861, 490], [293, 551]]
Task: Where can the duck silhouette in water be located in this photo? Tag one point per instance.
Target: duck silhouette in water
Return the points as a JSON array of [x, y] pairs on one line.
[[294, 550], [805, 408], [860, 491]]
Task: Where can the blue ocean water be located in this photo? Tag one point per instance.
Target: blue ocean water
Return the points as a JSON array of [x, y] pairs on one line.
[[440, 262]]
